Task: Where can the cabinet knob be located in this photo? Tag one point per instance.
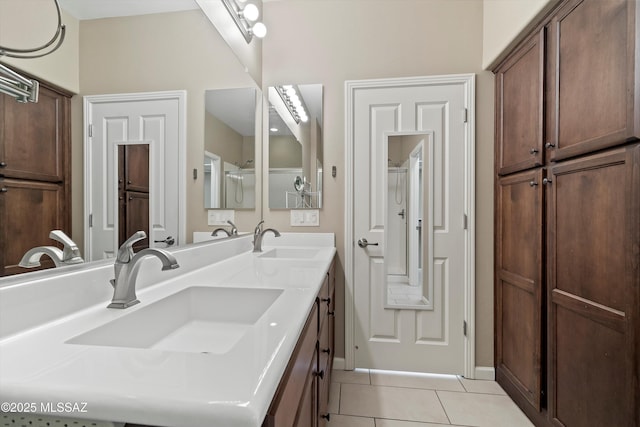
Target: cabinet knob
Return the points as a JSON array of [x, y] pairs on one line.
[[534, 151], [3, 164], [547, 181], [327, 300], [326, 416], [320, 374], [533, 183], [128, 181], [326, 350], [549, 145], [332, 313], [3, 190]]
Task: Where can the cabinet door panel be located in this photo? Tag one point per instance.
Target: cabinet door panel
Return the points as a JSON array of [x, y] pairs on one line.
[[45, 204], [137, 167], [594, 82], [519, 103], [32, 140], [594, 281], [519, 283], [137, 217]]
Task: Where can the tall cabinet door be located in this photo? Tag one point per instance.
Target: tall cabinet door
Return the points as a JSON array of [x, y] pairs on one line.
[[592, 71], [519, 294], [33, 137], [519, 103], [594, 285]]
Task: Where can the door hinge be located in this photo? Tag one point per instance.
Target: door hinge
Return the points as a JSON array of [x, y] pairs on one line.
[[90, 130], [464, 327], [90, 220], [465, 115], [465, 221]]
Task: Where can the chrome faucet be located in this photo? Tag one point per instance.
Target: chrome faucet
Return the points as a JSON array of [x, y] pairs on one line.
[[258, 234], [233, 232], [70, 254], [126, 269]]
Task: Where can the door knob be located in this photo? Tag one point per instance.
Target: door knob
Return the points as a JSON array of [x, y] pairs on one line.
[[363, 243], [169, 241]]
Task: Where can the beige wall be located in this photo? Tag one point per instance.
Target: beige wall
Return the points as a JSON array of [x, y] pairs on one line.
[[285, 152], [331, 41], [170, 51], [503, 21], [221, 140], [60, 67]]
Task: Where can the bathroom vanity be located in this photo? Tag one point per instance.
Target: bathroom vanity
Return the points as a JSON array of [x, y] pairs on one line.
[[231, 338]]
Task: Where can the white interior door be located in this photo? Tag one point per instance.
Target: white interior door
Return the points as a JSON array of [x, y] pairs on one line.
[[430, 339], [112, 120]]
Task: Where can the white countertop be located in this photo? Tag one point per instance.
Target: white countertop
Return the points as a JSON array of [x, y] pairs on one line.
[[168, 388]]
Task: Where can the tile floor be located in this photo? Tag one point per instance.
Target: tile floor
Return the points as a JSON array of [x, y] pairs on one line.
[[370, 398]]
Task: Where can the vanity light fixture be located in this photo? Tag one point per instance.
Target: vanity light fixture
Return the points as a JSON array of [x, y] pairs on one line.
[[246, 18], [293, 101]]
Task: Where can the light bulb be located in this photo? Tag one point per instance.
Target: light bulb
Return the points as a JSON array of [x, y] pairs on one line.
[[290, 91], [294, 99], [259, 30], [251, 12]]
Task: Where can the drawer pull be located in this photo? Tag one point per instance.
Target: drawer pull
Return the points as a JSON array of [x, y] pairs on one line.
[[326, 350], [326, 416], [320, 374]]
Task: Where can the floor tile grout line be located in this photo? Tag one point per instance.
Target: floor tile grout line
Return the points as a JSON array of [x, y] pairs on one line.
[[443, 408], [415, 422]]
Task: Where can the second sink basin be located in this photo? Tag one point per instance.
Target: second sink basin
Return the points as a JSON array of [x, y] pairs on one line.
[[290, 253], [197, 319]]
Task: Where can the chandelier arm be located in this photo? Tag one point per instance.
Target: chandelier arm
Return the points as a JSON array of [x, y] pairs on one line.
[[58, 36]]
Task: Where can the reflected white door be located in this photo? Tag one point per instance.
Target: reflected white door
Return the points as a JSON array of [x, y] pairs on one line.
[[153, 118], [427, 340]]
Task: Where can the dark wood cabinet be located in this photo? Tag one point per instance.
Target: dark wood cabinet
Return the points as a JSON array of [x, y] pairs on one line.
[[133, 193], [592, 76], [519, 108], [35, 175], [594, 286], [567, 225], [519, 292], [302, 397]]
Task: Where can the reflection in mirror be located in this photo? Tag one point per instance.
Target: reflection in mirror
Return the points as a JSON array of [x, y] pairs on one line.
[[407, 231], [295, 146], [229, 165]]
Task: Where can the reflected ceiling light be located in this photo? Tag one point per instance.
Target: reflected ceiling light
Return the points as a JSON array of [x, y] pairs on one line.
[[244, 18], [293, 103], [273, 129]]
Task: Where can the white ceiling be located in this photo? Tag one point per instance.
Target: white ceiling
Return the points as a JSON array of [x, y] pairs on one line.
[[94, 9]]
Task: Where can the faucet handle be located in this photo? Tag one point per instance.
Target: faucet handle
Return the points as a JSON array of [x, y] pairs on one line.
[[234, 229], [70, 252], [125, 252], [258, 229]]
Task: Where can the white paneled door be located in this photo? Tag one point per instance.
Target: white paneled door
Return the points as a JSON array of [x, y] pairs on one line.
[[430, 338], [156, 119]]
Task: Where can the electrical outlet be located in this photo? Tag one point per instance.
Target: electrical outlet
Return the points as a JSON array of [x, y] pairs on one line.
[[220, 217]]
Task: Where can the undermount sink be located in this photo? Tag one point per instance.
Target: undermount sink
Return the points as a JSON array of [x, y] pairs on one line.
[[290, 253], [198, 319]]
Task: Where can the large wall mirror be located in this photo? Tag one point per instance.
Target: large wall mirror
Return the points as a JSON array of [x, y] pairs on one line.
[[295, 146], [408, 224], [230, 148]]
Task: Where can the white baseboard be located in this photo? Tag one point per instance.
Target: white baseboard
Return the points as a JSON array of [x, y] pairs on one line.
[[338, 363], [485, 373]]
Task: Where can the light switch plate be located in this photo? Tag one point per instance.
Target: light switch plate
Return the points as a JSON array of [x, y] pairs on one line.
[[305, 218], [220, 217]]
